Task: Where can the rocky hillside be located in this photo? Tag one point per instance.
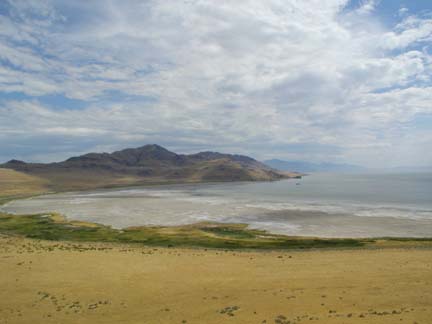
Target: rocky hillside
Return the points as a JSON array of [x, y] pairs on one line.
[[147, 164]]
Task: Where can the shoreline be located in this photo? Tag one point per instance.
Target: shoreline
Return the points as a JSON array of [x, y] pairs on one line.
[[303, 222], [55, 227], [198, 234]]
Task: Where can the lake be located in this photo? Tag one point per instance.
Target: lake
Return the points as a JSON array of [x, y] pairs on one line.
[[325, 205]]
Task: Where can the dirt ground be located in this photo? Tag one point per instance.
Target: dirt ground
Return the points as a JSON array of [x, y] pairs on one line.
[[59, 282]]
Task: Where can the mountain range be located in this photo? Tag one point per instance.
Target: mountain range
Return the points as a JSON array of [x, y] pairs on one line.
[[149, 164]]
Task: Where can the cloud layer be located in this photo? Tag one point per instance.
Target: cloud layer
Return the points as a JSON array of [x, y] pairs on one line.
[[323, 80]]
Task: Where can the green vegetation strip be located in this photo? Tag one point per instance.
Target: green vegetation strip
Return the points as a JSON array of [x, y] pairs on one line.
[[207, 235]]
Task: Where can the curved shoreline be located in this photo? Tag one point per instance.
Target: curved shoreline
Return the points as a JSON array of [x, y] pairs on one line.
[[54, 227], [204, 234], [181, 205]]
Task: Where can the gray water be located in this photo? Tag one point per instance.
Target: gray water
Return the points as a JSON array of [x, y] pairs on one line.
[[326, 205]]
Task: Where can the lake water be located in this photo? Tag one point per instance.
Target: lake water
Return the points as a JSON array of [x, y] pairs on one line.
[[326, 205]]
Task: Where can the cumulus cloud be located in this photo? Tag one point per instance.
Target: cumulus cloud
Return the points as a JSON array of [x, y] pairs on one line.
[[255, 77]]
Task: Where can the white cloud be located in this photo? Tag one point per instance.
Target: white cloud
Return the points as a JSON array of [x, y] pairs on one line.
[[367, 6], [402, 11], [410, 31], [247, 76]]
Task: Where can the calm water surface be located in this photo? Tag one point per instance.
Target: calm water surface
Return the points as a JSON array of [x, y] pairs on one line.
[[327, 205]]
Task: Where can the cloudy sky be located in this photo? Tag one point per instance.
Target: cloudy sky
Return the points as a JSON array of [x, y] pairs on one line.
[[317, 80]]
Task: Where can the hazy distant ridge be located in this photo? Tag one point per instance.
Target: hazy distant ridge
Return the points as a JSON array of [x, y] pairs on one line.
[[302, 166]]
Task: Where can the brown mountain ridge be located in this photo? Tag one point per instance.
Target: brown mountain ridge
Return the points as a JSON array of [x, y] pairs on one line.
[[149, 164]]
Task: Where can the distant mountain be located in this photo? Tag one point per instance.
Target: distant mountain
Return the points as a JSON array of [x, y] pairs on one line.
[[145, 165], [302, 166]]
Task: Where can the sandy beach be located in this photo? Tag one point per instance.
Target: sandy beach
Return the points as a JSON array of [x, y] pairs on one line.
[[59, 282]]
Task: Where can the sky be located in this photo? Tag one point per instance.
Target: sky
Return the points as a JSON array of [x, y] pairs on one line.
[[319, 80]]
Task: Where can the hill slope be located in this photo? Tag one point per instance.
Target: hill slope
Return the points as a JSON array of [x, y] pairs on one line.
[[145, 165], [15, 185]]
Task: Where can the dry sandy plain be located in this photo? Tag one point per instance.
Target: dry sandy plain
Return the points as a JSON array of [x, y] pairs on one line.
[[60, 282]]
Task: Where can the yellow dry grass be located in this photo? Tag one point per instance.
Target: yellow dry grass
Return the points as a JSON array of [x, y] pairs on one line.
[[14, 184], [59, 282]]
